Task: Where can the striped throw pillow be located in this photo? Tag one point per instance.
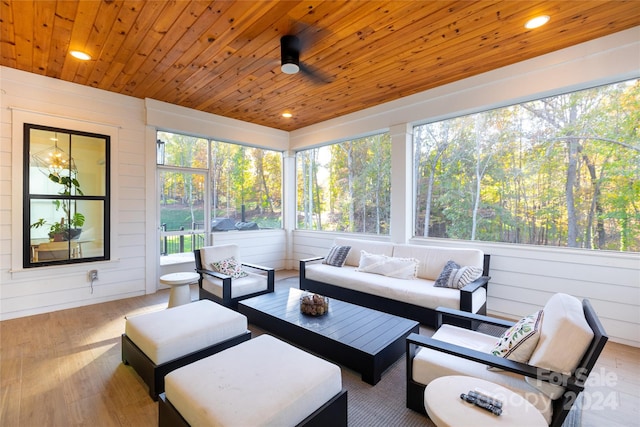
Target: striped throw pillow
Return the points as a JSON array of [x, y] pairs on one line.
[[457, 277], [337, 255]]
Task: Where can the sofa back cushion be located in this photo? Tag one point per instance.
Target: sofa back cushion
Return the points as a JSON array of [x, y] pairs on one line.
[[372, 247], [432, 259]]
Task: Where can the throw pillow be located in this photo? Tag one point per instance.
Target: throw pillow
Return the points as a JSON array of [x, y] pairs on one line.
[[401, 268], [519, 341], [457, 277], [230, 267], [337, 255]]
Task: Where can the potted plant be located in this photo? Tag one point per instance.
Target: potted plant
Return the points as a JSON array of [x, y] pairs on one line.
[[59, 231]]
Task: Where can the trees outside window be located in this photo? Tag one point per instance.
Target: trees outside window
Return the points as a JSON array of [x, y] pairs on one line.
[[229, 186], [559, 171], [345, 186]]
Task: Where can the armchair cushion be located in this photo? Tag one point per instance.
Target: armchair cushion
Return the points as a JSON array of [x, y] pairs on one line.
[[226, 279], [230, 267], [429, 365], [564, 327], [519, 341]]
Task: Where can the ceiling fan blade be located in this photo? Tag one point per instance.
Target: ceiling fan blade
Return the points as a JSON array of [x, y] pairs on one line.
[[315, 74]]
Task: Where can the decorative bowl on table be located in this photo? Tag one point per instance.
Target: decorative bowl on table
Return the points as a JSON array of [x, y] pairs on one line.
[[314, 304]]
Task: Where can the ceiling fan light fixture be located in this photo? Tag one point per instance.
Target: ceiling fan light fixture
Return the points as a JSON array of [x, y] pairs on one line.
[[536, 22], [290, 54], [289, 68]]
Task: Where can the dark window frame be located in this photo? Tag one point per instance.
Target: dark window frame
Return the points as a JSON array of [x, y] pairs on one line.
[[29, 197]]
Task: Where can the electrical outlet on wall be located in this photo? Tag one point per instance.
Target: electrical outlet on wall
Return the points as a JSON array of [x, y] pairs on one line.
[[93, 274]]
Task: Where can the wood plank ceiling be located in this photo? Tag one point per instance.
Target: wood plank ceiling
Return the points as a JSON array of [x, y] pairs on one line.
[[222, 57]]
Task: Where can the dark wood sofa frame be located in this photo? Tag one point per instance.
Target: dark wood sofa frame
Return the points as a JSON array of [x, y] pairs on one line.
[[424, 315], [333, 413], [227, 281], [153, 375], [575, 383]]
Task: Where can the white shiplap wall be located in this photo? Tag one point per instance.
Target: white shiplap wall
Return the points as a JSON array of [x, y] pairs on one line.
[[42, 100], [134, 268]]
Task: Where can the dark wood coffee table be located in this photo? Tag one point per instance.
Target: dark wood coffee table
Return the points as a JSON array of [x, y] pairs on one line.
[[365, 340]]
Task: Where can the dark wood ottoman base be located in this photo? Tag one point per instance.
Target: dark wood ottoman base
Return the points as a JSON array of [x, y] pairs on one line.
[[333, 413], [153, 375]]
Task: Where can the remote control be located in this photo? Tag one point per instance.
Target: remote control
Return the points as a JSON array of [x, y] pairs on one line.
[[486, 398], [481, 404]]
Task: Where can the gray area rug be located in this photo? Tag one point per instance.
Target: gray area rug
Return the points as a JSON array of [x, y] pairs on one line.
[[385, 403]]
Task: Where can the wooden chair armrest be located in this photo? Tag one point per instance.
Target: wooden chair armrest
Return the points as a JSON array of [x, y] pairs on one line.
[[491, 360], [444, 314]]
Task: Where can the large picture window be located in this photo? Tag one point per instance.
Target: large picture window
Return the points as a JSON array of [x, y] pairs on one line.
[[202, 181], [345, 186], [559, 171], [66, 196]]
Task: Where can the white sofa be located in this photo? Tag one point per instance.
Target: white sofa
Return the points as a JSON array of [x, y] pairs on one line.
[[415, 298]]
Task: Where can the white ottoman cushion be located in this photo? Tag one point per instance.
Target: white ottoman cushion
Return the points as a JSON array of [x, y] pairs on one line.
[[263, 381], [175, 332]]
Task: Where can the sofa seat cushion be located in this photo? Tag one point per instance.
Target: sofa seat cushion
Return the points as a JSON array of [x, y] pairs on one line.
[[175, 332], [263, 381], [242, 286], [430, 364], [419, 292]]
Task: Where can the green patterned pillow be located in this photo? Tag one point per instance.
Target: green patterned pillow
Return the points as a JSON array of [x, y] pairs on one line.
[[230, 267], [519, 341]]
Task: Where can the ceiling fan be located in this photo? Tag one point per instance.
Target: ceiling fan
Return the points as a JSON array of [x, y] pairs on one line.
[[290, 47]]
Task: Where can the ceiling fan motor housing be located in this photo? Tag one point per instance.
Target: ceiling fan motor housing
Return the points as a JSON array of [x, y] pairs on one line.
[[290, 54]]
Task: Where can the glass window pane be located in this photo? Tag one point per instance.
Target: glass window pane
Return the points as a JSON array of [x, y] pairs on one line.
[[345, 186], [181, 200], [181, 150], [89, 154], [246, 187], [559, 171]]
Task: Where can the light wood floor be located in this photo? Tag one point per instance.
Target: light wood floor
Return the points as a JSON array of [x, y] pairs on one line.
[[64, 369]]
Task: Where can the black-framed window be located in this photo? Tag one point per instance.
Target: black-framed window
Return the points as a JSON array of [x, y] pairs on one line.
[[66, 196]]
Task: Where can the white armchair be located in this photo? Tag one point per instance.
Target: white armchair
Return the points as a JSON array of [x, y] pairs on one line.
[[225, 279], [570, 339]]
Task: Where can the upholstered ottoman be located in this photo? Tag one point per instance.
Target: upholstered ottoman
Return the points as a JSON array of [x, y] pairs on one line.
[[155, 344], [263, 381]]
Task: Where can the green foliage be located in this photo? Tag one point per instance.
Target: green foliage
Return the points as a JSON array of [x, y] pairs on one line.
[[70, 186], [346, 186], [562, 171], [241, 179]]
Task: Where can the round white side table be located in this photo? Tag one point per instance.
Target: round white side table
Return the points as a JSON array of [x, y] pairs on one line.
[[445, 407], [179, 283]]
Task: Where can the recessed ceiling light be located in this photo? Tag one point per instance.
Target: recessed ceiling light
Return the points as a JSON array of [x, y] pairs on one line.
[[80, 55], [287, 115], [536, 22]]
